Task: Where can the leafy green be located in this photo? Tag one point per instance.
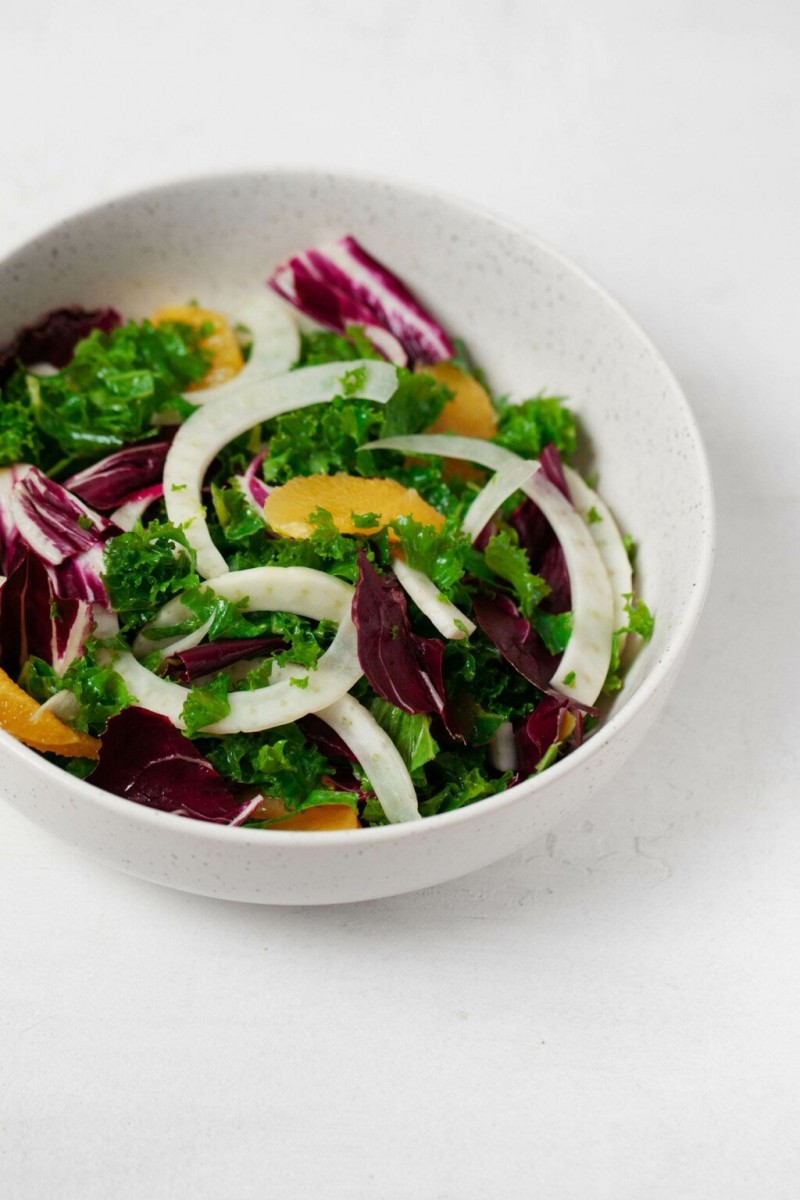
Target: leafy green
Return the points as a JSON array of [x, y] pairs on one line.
[[445, 555], [146, 568], [415, 404], [410, 733], [461, 779], [555, 629], [505, 556], [641, 622], [325, 438], [320, 346], [278, 761], [105, 397], [206, 705], [20, 440], [99, 690], [528, 427]]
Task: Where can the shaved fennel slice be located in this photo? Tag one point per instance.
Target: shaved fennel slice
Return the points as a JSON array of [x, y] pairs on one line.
[[211, 427], [377, 754], [586, 660], [145, 645], [608, 540], [506, 480], [503, 748], [300, 590], [275, 348], [450, 621], [262, 589], [263, 708]]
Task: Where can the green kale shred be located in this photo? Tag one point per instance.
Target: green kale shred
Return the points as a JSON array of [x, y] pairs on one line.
[[105, 398], [528, 427]]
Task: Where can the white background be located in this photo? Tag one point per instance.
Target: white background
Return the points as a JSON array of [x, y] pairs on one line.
[[612, 1013]]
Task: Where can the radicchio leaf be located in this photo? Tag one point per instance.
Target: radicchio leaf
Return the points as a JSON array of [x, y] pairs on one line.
[[34, 621], [536, 536], [395, 660], [252, 485], [548, 725], [340, 284], [550, 461], [144, 758], [520, 645], [53, 338], [55, 524], [211, 657], [118, 478]]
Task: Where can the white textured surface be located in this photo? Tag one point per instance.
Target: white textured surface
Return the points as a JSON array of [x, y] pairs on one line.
[[612, 1013]]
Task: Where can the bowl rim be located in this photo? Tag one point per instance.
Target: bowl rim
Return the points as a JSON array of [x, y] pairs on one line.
[[669, 660]]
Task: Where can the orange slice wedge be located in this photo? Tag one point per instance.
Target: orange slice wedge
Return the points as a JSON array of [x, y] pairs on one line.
[[221, 344], [21, 716], [470, 413], [287, 508], [312, 820]]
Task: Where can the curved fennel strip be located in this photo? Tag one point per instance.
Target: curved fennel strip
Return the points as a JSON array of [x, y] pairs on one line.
[[586, 660], [608, 540], [211, 427], [275, 348], [377, 754], [446, 617], [306, 591]]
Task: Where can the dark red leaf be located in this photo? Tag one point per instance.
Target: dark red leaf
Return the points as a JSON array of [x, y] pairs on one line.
[[34, 622], [53, 338], [500, 619], [390, 654], [117, 478], [144, 758], [216, 656], [341, 284], [550, 722]]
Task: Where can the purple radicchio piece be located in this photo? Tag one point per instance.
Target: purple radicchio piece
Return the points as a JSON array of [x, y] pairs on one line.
[[540, 543], [55, 524], [550, 723], [144, 758], [522, 648], [207, 659], [339, 284], [53, 338], [33, 621], [252, 485], [120, 477], [395, 661], [39, 515]]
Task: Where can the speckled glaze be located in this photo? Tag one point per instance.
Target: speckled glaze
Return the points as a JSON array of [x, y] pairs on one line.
[[535, 321]]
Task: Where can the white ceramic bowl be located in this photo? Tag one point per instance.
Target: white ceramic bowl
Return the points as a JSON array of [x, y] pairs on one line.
[[534, 321]]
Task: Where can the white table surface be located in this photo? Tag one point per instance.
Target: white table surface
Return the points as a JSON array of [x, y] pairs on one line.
[[612, 1013]]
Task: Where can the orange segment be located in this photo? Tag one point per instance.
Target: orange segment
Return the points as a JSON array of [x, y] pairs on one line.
[[21, 716], [287, 508], [470, 412], [221, 343], [312, 820]]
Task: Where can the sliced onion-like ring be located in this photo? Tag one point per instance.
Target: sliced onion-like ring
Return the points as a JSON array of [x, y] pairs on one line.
[[586, 660], [377, 754], [211, 427], [450, 621], [608, 540], [275, 347], [503, 748], [134, 509], [287, 589]]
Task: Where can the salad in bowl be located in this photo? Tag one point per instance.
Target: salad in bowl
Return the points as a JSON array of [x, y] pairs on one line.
[[297, 566]]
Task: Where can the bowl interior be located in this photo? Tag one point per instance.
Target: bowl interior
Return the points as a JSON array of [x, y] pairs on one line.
[[532, 319]]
